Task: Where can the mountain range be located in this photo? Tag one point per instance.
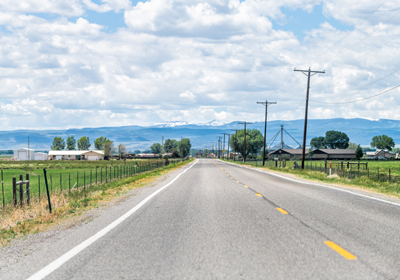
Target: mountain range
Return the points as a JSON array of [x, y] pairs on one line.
[[360, 131]]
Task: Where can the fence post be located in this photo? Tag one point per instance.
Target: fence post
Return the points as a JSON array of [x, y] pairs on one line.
[[51, 183], [21, 190], [389, 174], [77, 180], [96, 175], [69, 183], [15, 191], [378, 173], [106, 174], [47, 189], [60, 183], [90, 176], [101, 175], [28, 193], [84, 180]]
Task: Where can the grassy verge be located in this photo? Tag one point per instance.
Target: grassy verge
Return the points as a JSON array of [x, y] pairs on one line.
[[18, 222], [388, 188]]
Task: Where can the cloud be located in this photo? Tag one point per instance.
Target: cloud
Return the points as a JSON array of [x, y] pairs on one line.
[[185, 60]]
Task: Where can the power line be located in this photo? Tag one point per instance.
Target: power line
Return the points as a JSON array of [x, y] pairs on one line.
[[347, 33], [369, 34], [353, 101]]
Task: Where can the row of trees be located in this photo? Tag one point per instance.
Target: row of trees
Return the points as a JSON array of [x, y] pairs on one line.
[[83, 143], [177, 148]]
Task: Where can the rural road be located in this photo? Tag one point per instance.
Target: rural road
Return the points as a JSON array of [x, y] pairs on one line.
[[222, 221]]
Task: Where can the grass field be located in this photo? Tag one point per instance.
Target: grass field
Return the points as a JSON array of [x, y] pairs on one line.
[[66, 175]]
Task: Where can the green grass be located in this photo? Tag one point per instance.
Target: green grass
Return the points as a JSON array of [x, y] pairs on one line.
[[65, 175]]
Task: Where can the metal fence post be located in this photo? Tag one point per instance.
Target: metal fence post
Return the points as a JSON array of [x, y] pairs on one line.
[[84, 180], [47, 189], [21, 190], [2, 187], [60, 183], [28, 193], [51, 183], [69, 182], [77, 179]]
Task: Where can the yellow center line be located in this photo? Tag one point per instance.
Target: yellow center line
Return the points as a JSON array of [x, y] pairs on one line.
[[259, 194], [340, 250], [246, 186], [282, 211], [237, 182], [231, 177]]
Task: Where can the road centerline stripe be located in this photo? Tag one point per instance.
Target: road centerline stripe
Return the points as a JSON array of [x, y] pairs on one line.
[[258, 194], [50, 268], [340, 250], [282, 211]]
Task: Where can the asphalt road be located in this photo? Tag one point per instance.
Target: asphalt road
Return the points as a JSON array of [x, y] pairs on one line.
[[222, 221]]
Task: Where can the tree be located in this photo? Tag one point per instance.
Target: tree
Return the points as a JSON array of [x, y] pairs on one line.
[[58, 144], [99, 142], [336, 140], [137, 152], [122, 151], [310, 153], [254, 141], [318, 142], [359, 152], [170, 144], [382, 142], [84, 143], [109, 149], [184, 147], [352, 146], [71, 143], [156, 148]]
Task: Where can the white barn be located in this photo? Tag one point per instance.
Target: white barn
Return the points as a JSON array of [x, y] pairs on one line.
[[40, 156], [24, 154]]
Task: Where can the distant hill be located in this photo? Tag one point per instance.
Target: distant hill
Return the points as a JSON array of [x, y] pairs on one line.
[[360, 131]]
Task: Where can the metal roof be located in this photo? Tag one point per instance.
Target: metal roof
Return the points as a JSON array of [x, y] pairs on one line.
[[72, 153]]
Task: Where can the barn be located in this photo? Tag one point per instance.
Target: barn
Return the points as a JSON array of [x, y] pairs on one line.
[[24, 154]]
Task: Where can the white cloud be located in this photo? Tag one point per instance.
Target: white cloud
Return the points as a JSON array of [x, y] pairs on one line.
[[185, 60]]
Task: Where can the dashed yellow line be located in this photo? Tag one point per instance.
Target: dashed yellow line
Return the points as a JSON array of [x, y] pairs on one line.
[[259, 194], [231, 177], [340, 250], [246, 186], [237, 182], [282, 211]]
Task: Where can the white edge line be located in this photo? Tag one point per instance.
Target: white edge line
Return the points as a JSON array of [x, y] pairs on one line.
[[313, 184], [47, 270]]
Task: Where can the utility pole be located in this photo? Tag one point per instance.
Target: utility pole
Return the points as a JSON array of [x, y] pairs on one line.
[[224, 142], [219, 146], [181, 150], [308, 73], [266, 104], [244, 154], [281, 136], [162, 147]]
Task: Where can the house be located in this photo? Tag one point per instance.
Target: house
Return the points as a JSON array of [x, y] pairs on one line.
[[148, 155], [379, 154], [24, 154], [76, 155], [317, 154]]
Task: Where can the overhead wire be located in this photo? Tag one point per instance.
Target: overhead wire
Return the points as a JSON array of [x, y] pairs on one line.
[[359, 100], [358, 24]]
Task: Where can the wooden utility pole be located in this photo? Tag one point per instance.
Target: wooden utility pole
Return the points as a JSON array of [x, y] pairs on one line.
[[244, 154], [162, 146], [308, 73], [223, 155], [266, 104]]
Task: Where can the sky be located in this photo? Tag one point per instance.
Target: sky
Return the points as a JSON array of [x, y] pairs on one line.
[[85, 63]]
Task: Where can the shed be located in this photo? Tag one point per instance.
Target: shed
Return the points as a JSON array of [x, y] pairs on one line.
[[24, 154], [40, 156]]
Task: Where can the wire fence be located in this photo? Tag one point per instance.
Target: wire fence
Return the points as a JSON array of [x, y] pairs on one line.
[[65, 181], [351, 173]]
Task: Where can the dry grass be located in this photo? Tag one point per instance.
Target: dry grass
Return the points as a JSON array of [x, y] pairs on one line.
[[18, 222]]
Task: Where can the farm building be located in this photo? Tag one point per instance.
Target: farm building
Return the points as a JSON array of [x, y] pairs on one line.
[[24, 154], [379, 154], [317, 154], [148, 156], [40, 156], [76, 155]]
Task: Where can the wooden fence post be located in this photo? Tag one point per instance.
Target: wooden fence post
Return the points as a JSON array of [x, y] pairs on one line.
[[39, 186]]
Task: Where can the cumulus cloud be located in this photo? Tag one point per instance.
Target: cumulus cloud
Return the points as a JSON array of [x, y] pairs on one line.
[[192, 61]]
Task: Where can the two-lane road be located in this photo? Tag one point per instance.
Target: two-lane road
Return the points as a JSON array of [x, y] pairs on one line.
[[223, 221]]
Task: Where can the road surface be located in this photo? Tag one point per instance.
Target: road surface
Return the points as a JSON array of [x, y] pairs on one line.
[[222, 221]]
